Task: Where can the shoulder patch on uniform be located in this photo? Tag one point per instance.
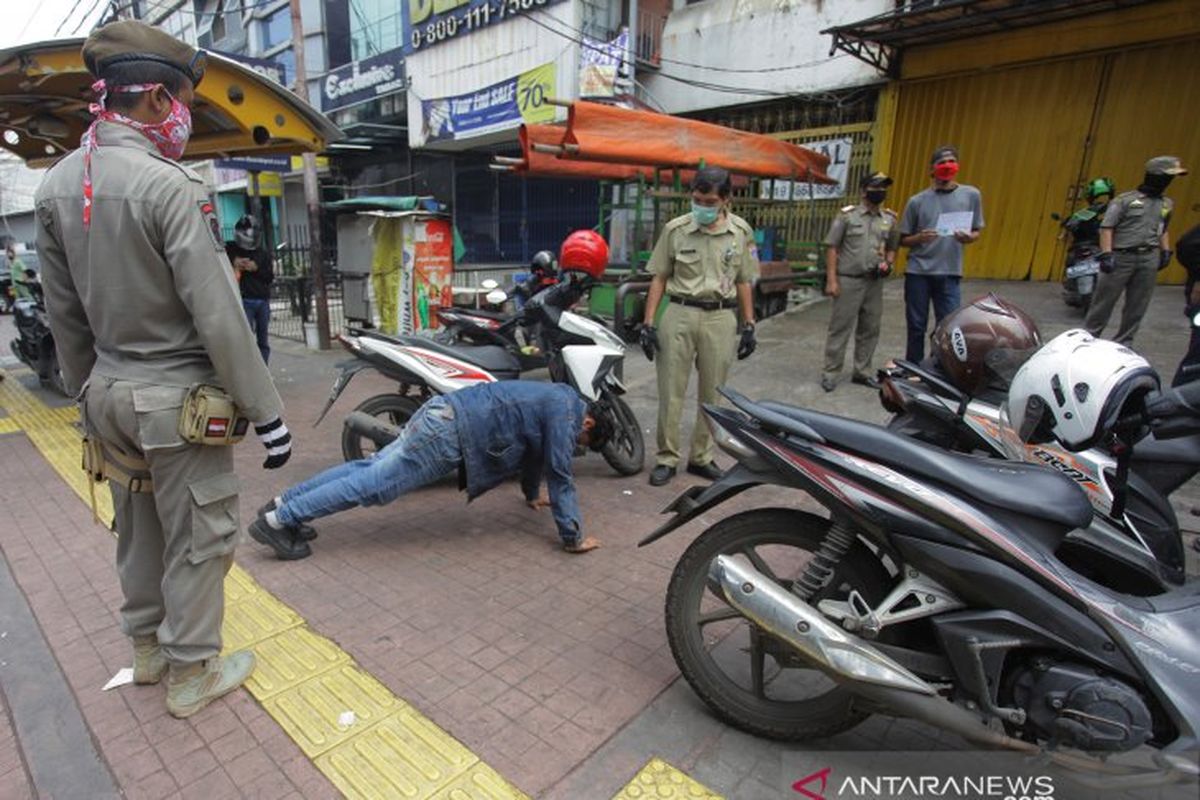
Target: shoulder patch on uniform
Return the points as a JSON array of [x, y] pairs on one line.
[[191, 174], [210, 221]]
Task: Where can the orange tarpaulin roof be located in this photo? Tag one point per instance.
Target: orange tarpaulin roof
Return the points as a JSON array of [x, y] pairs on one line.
[[548, 165], [598, 132]]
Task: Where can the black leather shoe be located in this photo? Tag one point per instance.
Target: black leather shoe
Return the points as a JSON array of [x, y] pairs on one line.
[[709, 471], [828, 384], [303, 530], [863, 380], [283, 541], [661, 475]]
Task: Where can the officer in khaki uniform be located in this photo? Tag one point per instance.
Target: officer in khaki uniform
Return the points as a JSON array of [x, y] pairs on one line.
[[705, 263], [1134, 246], [860, 251], [143, 305]]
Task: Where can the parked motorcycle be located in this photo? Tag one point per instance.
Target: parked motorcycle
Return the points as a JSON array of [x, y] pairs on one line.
[[580, 351], [927, 407], [933, 591], [34, 344], [481, 326], [1083, 265]]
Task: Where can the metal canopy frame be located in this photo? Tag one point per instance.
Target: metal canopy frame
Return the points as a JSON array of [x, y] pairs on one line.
[[880, 40]]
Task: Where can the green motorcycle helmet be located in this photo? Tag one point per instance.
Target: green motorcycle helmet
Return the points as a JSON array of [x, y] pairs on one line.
[[1100, 186]]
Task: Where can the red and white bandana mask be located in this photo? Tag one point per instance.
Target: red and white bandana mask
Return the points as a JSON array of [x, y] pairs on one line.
[[170, 136]]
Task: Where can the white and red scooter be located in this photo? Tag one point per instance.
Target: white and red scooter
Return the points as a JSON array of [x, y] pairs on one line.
[[581, 352]]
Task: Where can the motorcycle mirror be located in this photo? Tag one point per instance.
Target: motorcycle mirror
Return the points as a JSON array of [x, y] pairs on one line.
[[489, 285], [496, 296]]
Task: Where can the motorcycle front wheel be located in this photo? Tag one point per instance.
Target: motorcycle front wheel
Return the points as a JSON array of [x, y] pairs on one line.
[[724, 656], [392, 408], [626, 450]]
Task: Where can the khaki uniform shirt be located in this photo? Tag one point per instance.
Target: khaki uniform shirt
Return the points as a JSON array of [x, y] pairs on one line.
[[1137, 220], [861, 237], [704, 265], [147, 293]]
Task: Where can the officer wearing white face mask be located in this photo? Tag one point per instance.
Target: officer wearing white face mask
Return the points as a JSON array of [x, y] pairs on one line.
[[151, 335], [705, 263]]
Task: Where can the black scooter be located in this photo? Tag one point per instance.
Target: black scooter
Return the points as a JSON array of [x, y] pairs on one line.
[[34, 344], [933, 591]]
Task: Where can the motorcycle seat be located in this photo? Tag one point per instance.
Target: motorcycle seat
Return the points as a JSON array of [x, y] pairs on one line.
[[493, 358], [499, 316], [1031, 490]]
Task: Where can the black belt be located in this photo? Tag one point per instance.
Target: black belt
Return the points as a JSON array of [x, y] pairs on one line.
[[1145, 248], [707, 305]]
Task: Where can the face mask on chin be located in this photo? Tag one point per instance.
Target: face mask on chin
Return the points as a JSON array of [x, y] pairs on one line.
[[705, 215], [946, 171]]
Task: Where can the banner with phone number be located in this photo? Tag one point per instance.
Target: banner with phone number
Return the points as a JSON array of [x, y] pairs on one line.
[[432, 22], [493, 108]]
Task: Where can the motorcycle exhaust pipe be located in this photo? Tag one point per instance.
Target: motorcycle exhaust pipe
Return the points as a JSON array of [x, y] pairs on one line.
[[378, 431], [845, 657]]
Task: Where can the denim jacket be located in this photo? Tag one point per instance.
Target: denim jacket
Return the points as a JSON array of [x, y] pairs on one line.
[[522, 427]]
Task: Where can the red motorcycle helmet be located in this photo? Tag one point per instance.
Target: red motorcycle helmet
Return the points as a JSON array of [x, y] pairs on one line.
[[584, 251]]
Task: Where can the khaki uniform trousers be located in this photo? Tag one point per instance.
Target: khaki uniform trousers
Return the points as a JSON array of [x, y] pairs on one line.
[[690, 337], [1135, 274], [175, 544], [857, 309]]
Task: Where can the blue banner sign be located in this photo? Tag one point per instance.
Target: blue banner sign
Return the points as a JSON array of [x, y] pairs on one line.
[[493, 108], [363, 80], [257, 163], [431, 22]]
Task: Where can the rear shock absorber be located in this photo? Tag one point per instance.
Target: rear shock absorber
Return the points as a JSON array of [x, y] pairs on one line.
[[819, 570]]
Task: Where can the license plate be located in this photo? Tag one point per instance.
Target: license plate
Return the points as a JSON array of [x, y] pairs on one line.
[[1089, 267]]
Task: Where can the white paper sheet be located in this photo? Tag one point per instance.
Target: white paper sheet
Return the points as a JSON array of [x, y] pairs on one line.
[[950, 221], [124, 676]]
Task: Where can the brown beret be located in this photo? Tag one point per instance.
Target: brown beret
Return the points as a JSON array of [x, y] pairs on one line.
[[129, 41]]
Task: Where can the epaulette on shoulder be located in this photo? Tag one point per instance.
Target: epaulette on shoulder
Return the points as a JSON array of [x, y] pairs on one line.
[[847, 208], [191, 174]]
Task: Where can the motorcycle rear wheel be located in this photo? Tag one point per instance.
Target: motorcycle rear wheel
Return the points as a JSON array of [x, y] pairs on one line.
[[626, 451], [393, 408], [824, 709]]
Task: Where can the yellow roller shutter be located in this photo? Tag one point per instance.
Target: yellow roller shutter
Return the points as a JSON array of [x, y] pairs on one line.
[[1148, 108], [1021, 134]]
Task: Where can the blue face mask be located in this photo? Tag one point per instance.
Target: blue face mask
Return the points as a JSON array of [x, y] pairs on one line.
[[705, 215]]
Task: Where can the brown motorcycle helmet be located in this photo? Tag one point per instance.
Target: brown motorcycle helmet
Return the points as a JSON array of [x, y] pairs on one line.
[[984, 343]]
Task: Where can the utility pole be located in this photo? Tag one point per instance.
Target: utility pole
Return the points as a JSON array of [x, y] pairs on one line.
[[312, 196]]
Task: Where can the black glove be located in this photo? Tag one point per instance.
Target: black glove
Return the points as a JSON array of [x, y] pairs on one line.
[[648, 338], [1164, 258], [1106, 262], [278, 441], [747, 343]]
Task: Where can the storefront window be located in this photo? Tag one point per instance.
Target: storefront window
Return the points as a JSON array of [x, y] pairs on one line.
[[375, 27], [277, 28], [286, 60]]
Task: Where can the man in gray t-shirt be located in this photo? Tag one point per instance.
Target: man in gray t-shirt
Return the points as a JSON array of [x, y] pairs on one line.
[[935, 225]]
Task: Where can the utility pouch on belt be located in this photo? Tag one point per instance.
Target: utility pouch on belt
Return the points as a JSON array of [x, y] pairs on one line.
[[101, 464], [210, 417]]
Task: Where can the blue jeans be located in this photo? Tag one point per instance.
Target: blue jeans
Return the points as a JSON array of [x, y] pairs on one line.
[[258, 314], [427, 449], [943, 290]]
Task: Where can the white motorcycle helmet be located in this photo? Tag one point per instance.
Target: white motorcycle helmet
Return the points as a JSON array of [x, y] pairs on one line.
[[1075, 388]]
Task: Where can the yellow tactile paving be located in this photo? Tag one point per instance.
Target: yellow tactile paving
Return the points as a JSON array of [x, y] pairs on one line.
[[404, 756], [8, 425], [260, 616], [304, 681], [658, 779], [291, 658], [312, 712]]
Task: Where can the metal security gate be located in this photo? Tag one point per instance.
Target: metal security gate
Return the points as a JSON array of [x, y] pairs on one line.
[[1030, 136]]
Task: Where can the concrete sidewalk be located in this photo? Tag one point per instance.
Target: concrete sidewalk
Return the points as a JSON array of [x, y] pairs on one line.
[[551, 669]]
